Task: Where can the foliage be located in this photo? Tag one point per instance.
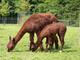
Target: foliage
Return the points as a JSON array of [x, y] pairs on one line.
[[64, 9], [4, 8], [21, 6]]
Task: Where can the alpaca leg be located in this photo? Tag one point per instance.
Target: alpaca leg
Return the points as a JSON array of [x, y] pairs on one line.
[[31, 41], [61, 37], [50, 42], [50, 45], [56, 44], [46, 43], [62, 42], [39, 44]]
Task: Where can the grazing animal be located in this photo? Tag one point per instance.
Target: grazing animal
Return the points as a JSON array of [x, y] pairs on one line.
[[34, 24], [50, 42], [51, 30]]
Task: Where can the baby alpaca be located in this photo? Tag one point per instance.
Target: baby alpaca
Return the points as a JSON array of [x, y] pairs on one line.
[[51, 30]]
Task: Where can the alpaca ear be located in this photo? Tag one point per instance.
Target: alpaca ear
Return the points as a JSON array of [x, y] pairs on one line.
[[56, 15], [13, 40], [10, 38]]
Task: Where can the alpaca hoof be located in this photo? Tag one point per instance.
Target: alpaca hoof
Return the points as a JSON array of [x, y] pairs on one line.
[[8, 50], [29, 48], [33, 49], [49, 48], [42, 49], [56, 48]]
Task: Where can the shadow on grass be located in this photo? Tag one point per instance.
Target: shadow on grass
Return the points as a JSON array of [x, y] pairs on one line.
[[68, 48], [21, 51], [65, 49], [70, 51], [53, 50]]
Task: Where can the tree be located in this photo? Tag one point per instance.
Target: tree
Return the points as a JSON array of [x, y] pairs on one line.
[[21, 6], [34, 4], [4, 8]]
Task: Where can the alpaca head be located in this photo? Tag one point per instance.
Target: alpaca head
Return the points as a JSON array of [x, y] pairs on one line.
[[11, 44]]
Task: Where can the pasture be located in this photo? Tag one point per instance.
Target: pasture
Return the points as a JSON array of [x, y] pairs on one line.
[[21, 52]]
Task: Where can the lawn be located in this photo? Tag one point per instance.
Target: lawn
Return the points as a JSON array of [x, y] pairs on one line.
[[21, 52]]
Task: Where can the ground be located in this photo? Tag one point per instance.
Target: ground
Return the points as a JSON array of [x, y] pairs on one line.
[[21, 52]]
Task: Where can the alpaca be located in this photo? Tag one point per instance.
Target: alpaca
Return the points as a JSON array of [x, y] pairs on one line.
[[34, 24], [51, 30]]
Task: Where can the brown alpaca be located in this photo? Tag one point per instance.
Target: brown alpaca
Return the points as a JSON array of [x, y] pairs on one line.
[[34, 24], [51, 30], [50, 41]]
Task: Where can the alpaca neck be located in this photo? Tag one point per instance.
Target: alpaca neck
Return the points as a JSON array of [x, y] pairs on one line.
[[19, 35]]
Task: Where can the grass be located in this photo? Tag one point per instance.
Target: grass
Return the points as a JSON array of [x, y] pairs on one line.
[[21, 52]]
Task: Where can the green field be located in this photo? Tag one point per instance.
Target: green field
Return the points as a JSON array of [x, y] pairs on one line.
[[21, 52]]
